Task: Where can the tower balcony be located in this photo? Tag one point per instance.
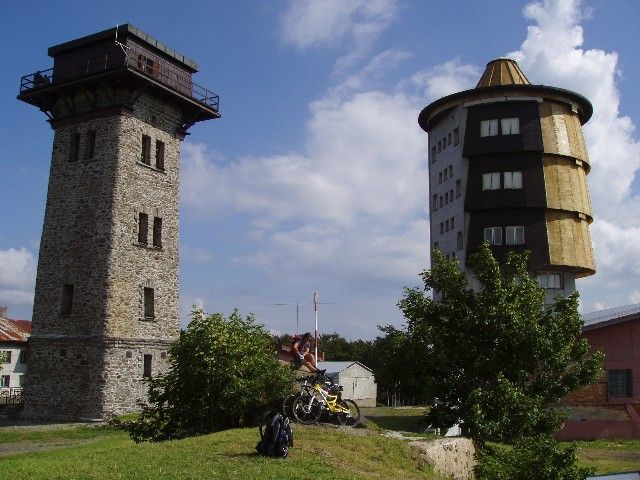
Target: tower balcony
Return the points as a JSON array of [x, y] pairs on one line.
[[132, 60], [118, 64]]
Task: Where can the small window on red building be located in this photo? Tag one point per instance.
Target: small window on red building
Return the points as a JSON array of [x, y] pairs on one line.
[[620, 383]]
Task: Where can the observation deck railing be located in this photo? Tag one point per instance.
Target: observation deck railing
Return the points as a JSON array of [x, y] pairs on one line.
[[129, 58]]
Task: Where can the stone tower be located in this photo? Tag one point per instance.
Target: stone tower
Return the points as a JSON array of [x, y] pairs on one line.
[[508, 164], [106, 300]]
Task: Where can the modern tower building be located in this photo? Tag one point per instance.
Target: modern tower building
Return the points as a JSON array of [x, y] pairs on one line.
[[106, 299], [508, 164]]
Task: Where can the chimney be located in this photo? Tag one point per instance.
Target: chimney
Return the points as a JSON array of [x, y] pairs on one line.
[[3, 311]]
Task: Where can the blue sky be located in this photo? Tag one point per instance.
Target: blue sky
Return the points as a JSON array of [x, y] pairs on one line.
[[315, 177]]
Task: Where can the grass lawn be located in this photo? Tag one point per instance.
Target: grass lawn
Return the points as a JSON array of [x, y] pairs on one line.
[[103, 453], [610, 456], [319, 453], [404, 419]]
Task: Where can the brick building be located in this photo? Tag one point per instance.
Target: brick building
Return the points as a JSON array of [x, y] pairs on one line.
[[608, 408]]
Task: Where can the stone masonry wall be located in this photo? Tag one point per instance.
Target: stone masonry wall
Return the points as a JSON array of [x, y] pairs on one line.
[[89, 362]]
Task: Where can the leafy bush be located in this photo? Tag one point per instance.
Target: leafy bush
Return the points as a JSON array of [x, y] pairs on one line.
[[223, 373], [540, 458]]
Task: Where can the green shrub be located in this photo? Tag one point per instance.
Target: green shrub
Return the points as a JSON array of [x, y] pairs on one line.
[[537, 458], [223, 373]]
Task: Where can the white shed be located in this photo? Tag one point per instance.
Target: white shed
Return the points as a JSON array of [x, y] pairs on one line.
[[358, 381]]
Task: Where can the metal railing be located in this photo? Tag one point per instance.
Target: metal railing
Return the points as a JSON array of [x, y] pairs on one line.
[[10, 396], [130, 57]]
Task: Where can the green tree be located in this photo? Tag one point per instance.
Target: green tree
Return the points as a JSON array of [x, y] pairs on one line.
[[496, 357], [222, 374]]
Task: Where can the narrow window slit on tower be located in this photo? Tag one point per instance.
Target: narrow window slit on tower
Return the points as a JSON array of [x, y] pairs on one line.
[[149, 310], [90, 148], [66, 302], [157, 232], [159, 155], [74, 148], [146, 150], [146, 371], [143, 228]]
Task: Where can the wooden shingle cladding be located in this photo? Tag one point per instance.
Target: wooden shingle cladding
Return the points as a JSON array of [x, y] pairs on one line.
[[565, 184], [570, 242], [562, 132]]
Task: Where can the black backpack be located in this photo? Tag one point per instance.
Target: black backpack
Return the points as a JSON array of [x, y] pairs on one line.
[[277, 437]]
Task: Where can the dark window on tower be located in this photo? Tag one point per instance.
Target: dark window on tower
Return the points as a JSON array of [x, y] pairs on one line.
[[23, 357], [149, 311], [439, 147], [433, 154], [439, 177], [619, 383], [459, 243], [157, 232], [435, 203], [146, 371], [159, 155], [143, 228], [458, 188], [90, 148], [147, 65], [456, 135], [441, 201], [493, 235], [66, 302], [146, 150], [74, 147], [515, 235]]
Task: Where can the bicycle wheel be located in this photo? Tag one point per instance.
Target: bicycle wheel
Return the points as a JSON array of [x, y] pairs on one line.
[[287, 405], [352, 418], [306, 410]]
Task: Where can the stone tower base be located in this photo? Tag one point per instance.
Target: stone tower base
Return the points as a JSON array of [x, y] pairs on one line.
[[89, 378]]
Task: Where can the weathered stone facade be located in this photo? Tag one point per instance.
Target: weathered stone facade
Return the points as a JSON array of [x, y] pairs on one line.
[[106, 305], [88, 362]]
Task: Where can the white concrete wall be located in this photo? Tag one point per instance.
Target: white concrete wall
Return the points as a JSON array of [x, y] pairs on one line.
[[14, 369]]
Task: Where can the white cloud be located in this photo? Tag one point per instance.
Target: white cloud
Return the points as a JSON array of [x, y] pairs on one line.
[[449, 77], [17, 276], [552, 54], [335, 22]]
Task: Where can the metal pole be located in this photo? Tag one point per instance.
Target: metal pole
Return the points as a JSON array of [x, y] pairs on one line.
[[297, 318], [315, 310]]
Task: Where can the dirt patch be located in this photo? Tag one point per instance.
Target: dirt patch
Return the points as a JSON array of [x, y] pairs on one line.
[[27, 447], [607, 454]]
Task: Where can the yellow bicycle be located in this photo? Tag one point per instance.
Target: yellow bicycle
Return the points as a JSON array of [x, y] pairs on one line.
[[325, 397]]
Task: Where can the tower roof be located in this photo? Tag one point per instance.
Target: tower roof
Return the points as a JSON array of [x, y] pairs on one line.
[[503, 78], [502, 71]]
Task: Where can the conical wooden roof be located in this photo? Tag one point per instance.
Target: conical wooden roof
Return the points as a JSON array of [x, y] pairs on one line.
[[502, 71]]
